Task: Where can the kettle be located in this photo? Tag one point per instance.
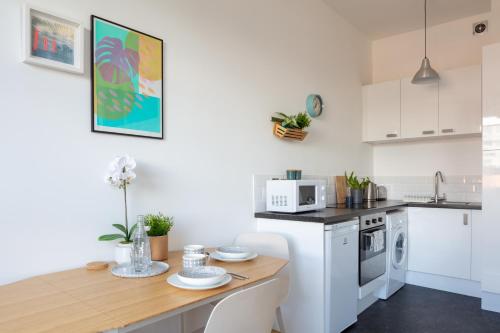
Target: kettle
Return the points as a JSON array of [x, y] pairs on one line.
[[370, 192]]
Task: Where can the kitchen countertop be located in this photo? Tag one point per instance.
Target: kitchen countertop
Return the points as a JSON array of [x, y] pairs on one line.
[[336, 214]]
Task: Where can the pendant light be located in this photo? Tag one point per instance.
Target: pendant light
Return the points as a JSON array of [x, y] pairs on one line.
[[426, 74]]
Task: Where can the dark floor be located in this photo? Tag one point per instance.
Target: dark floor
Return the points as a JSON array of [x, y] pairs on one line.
[[415, 309]]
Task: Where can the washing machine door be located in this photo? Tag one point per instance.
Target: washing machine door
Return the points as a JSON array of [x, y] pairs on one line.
[[399, 249]]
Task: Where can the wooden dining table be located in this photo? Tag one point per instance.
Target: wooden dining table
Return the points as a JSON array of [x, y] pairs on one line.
[[81, 300]]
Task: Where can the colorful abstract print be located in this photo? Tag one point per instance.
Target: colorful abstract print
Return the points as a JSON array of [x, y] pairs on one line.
[[127, 81], [52, 40]]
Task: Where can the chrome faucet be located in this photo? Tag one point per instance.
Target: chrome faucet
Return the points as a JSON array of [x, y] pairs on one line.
[[437, 176]]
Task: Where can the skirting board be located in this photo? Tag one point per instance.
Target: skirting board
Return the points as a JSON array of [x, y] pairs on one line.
[[490, 301], [366, 302], [453, 285]]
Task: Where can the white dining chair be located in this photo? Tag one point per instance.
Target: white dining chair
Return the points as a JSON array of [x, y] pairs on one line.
[[248, 311], [275, 245]]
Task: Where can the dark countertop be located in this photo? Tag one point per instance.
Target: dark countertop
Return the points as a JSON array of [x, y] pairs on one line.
[[336, 214]]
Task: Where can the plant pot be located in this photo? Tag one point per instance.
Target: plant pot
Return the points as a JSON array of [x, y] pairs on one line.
[[159, 247], [357, 196], [122, 253], [288, 133]]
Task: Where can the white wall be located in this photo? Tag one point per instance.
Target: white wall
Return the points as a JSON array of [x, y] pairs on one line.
[[228, 66], [450, 45]]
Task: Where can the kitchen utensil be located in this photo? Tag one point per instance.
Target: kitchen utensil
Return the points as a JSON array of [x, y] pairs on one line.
[[174, 281], [233, 252], [238, 276], [341, 189], [191, 249], [370, 192], [202, 276], [216, 256], [194, 260]]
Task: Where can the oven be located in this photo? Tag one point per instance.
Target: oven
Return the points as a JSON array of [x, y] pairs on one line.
[[372, 247]]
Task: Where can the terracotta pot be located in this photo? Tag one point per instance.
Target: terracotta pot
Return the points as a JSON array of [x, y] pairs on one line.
[[159, 247]]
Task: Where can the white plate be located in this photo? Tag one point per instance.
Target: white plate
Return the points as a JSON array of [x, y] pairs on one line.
[[233, 252], [174, 281], [217, 256], [127, 271], [202, 275]]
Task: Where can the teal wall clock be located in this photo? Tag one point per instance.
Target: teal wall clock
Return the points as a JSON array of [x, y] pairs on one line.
[[314, 105]]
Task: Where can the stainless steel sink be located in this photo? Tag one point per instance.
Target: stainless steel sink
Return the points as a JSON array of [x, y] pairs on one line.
[[451, 203]]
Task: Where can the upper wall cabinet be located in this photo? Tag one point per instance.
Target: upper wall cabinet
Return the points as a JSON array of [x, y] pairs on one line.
[[381, 111], [419, 109], [401, 110], [460, 101]]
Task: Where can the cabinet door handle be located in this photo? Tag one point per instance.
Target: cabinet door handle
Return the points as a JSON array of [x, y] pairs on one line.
[[447, 130], [391, 135], [466, 219], [428, 132]]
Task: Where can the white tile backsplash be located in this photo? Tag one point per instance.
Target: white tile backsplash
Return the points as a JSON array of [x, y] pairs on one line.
[[456, 188]]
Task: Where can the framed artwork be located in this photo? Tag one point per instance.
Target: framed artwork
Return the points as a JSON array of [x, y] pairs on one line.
[[52, 40], [127, 80]]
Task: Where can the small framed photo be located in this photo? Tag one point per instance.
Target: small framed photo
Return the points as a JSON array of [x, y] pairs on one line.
[[52, 40]]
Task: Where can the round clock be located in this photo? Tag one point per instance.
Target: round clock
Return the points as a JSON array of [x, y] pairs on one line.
[[314, 105]]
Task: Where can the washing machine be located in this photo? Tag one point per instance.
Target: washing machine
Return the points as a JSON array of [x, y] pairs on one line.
[[397, 250]]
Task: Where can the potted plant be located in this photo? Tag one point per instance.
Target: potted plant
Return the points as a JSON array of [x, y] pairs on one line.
[[291, 127], [357, 187], [158, 227], [120, 175]]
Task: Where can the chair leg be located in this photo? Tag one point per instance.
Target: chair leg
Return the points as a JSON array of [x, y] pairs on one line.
[[279, 318], [183, 323]]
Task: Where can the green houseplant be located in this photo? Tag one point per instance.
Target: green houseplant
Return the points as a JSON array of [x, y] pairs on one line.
[[158, 226], [298, 121], [357, 186]]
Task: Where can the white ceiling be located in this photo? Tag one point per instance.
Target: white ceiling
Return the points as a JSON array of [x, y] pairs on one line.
[[382, 18]]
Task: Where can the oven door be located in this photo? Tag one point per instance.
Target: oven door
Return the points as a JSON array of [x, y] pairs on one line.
[[372, 256]]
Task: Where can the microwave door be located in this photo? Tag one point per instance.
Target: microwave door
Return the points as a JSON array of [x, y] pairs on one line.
[[307, 195]]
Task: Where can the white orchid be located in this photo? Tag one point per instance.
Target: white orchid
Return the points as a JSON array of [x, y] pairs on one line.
[[120, 171], [120, 174]]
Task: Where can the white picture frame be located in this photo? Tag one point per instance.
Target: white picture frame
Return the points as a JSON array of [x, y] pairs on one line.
[[52, 40]]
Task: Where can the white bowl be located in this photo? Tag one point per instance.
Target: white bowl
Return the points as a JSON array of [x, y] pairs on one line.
[[191, 249], [233, 252], [202, 276]]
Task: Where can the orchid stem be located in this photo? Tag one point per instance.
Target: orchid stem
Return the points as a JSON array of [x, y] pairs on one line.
[[126, 215]]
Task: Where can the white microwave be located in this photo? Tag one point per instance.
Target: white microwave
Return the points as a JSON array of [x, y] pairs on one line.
[[292, 196]]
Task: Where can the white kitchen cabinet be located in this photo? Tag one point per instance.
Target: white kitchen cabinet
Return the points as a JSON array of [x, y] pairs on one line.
[[382, 111], [460, 101], [419, 109], [439, 241], [477, 245]]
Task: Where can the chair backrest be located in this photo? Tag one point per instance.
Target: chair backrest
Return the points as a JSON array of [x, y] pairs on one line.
[[269, 244], [265, 243], [248, 311]]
